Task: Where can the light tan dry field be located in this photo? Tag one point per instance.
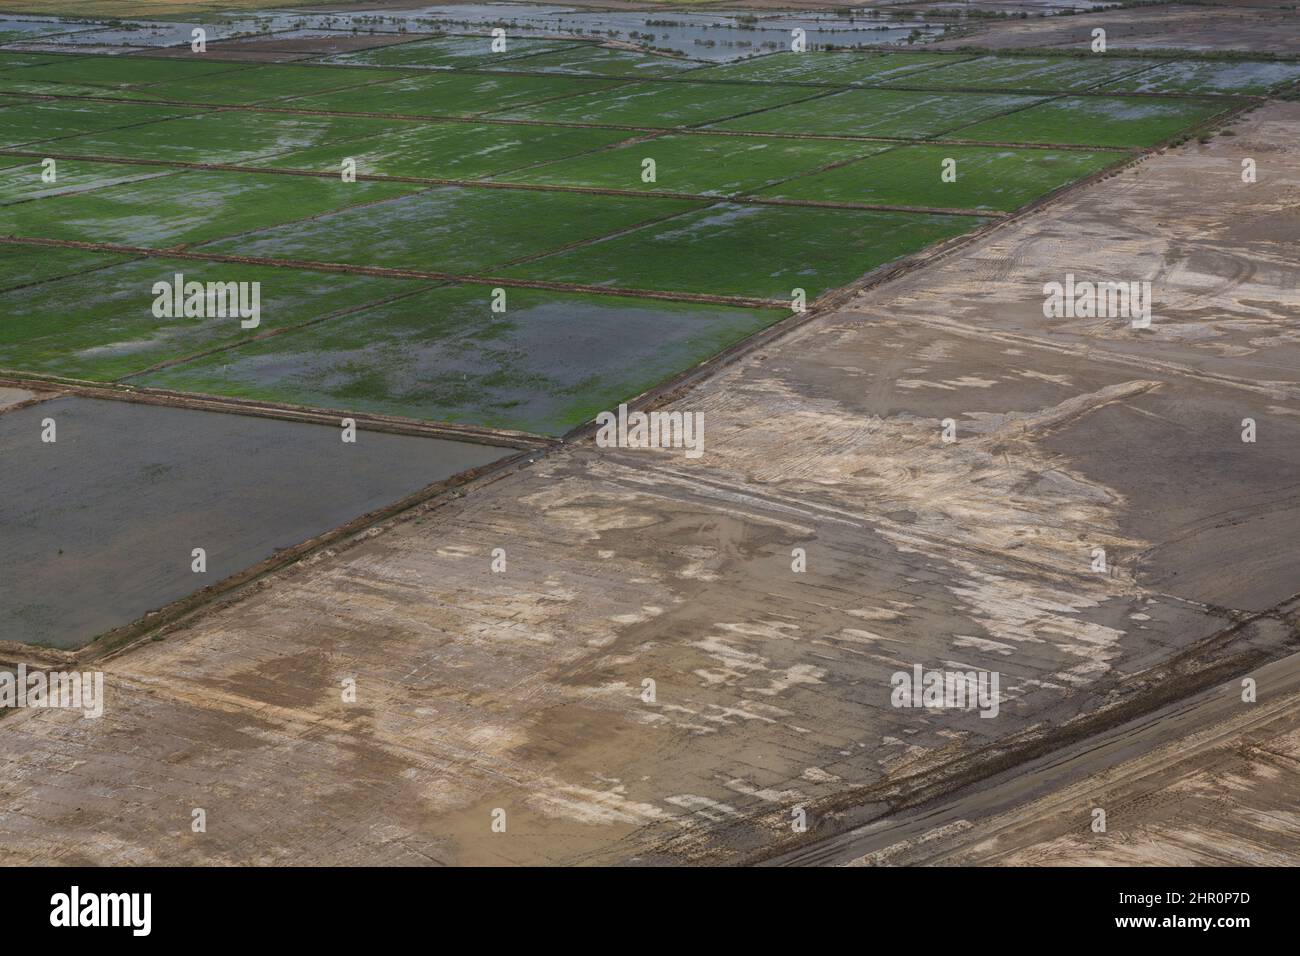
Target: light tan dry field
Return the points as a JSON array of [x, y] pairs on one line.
[[1256, 27], [522, 690]]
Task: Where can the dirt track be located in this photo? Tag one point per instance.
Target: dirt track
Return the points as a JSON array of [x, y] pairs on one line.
[[1209, 781], [523, 690]]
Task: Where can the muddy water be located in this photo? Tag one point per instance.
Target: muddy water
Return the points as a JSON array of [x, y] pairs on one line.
[[98, 527], [709, 36]]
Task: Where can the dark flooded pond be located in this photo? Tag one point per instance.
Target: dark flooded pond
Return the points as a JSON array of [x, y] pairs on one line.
[[99, 526]]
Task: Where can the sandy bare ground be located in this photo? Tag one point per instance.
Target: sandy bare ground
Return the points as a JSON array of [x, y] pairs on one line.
[[525, 690]]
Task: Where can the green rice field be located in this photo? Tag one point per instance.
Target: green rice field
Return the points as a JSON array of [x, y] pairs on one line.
[[515, 239], [702, 164], [1052, 74], [895, 114], [445, 354], [983, 177], [1096, 121]]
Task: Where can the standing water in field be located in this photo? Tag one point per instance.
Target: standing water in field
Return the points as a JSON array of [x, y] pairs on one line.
[[710, 36]]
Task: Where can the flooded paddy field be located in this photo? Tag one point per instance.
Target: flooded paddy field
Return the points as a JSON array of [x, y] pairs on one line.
[[829, 69], [899, 114], [27, 122], [100, 524], [104, 333], [1051, 74], [1097, 121], [456, 94], [451, 229], [660, 105], [703, 164], [992, 178], [22, 267], [448, 150], [768, 249], [223, 138], [189, 206], [346, 186], [714, 36], [76, 175], [444, 355]]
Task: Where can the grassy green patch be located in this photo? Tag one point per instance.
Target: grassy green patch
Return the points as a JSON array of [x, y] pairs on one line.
[[12, 60], [763, 251], [42, 121], [450, 150], [22, 265], [832, 69], [987, 177], [14, 82], [899, 113], [448, 94], [1095, 121], [102, 327], [550, 362], [1208, 76], [695, 163], [1056, 74], [660, 105], [265, 84], [117, 71], [187, 207], [28, 179], [224, 137], [452, 229]]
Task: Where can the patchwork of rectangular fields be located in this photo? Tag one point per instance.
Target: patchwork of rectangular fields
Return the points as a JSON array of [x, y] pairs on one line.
[[659, 105], [450, 150], [449, 94], [264, 84], [120, 71], [613, 217], [748, 250], [225, 138], [186, 207], [450, 229], [1055, 74], [705, 165], [23, 122], [105, 334]]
